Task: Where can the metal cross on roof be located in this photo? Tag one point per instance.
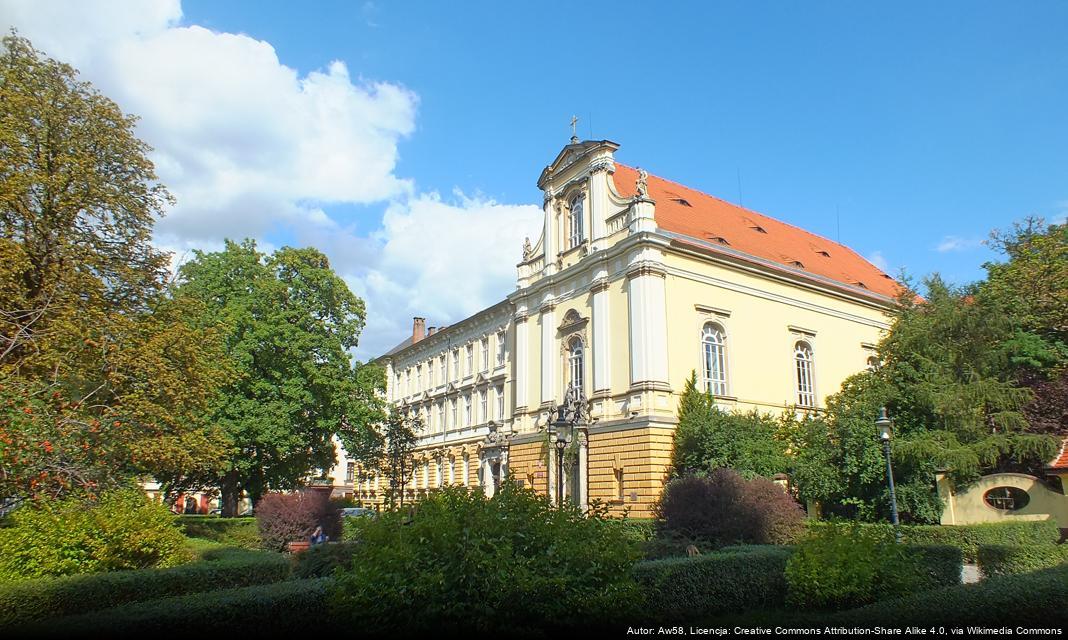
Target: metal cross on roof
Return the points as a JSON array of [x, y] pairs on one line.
[[574, 130]]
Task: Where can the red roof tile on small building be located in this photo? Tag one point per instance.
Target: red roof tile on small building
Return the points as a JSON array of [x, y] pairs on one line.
[[1061, 461], [698, 215]]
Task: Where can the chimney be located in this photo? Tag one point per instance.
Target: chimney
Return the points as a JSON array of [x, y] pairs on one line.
[[418, 329], [431, 331]]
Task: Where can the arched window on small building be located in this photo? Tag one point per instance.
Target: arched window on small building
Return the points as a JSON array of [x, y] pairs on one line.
[[806, 379]]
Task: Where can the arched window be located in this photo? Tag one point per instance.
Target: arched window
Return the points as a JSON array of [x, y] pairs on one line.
[[574, 222], [714, 359], [574, 363], [806, 382]]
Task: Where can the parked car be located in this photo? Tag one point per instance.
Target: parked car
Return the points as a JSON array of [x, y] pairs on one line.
[[356, 512]]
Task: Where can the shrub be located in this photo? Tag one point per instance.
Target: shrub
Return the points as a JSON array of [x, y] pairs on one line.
[[460, 560], [841, 567], [122, 529], [233, 532], [689, 588], [967, 538], [42, 598], [292, 607], [289, 517], [725, 508], [1036, 599], [321, 560], [1004, 559]]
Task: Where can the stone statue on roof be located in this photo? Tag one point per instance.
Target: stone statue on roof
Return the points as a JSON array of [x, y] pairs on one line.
[[643, 183], [527, 249]]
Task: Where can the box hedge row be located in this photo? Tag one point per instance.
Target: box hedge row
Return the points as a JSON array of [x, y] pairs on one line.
[[1006, 559], [688, 588], [234, 532], [1028, 599], [967, 538], [43, 598], [292, 607]]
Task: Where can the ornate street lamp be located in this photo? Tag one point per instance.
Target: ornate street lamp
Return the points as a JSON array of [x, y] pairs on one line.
[[885, 429], [568, 415]]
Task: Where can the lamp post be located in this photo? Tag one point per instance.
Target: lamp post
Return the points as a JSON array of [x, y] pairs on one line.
[[569, 414], [885, 427]]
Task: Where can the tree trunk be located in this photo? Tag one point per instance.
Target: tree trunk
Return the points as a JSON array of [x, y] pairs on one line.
[[230, 492]]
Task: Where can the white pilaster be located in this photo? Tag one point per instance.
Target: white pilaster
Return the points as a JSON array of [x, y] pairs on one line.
[[648, 324], [548, 353], [601, 364], [550, 236], [521, 361]]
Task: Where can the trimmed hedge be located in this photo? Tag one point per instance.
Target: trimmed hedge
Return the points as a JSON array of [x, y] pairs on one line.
[[321, 560], [43, 598], [234, 532], [289, 607], [1034, 599], [968, 537], [943, 561], [689, 588], [1005, 559]]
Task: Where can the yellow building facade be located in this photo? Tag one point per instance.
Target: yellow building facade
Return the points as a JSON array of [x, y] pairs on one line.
[[635, 283]]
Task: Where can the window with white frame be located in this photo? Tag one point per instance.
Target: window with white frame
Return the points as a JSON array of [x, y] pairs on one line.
[[350, 472], [437, 474], [574, 222], [430, 374], [426, 474], [453, 422], [575, 358], [452, 470], [485, 354], [714, 359], [439, 410], [500, 348], [465, 472], [806, 381], [470, 358], [418, 378], [442, 369], [456, 364], [467, 410], [500, 402], [483, 405]]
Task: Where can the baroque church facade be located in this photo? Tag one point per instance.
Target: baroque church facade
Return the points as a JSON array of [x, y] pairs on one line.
[[635, 283]]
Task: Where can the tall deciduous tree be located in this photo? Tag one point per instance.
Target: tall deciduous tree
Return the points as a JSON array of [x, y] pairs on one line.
[[102, 375], [290, 323]]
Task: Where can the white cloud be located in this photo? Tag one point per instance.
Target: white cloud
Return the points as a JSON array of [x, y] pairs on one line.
[[879, 260], [249, 146], [443, 261], [956, 243]]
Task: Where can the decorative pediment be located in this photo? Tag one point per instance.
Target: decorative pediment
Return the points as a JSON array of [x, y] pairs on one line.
[[572, 323], [570, 154]]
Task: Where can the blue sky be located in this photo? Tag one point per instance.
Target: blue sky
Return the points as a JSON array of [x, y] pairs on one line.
[[903, 125], [906, 130]]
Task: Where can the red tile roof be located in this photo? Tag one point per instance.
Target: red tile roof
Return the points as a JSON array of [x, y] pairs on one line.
[[1061, 461], [698, 215]]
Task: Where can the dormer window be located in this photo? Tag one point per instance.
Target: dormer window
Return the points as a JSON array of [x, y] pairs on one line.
[[574, 222]]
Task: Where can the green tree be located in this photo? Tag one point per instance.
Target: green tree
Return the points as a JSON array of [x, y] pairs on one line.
[[102, 375], [708, 438], [290, 323]]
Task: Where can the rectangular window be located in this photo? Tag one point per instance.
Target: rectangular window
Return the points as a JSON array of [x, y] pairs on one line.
[[430, 375], [437, 474], [619, 484], [500, 348], [456, 364], [451, 466], [464, 472], [350, 472], [467, 410], [418, 378], [470, 358], [453, 422], [483, 406], [442, 369], [500, 403], [485, 354], [426, 475]]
